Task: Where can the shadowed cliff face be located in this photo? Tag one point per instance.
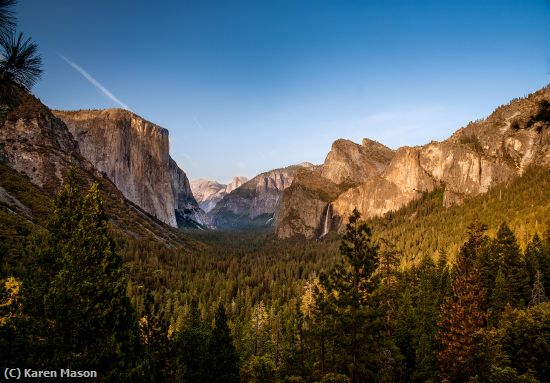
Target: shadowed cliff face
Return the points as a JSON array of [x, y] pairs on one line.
[[472, 160], [254, 203], [134, 154]]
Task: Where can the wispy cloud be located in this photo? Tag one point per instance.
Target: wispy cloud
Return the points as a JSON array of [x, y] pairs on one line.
[[198, 123], [94, 82]]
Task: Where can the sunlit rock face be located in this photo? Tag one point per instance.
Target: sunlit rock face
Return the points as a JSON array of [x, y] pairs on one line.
[[475, 158], [134, 154], [348, 162], [208, 193], [254, 203], [304, 206], [37, 144]]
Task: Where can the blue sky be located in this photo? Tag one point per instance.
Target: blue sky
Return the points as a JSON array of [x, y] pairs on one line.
[[247, 86]]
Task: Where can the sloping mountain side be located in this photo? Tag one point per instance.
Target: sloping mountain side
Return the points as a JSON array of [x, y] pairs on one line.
[[426, 227], [36, 151], [208, 193], [134, 154], [483, 154], [254, 203]]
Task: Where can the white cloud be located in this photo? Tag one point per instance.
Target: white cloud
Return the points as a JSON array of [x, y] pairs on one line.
[[94, 82]]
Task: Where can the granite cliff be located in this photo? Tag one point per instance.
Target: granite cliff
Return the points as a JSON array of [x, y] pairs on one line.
[[37, 150], [208, 193], [305, 208], [255, 202], [134, 154], [481, 155]]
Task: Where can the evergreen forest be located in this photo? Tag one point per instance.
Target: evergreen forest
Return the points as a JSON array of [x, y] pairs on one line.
[[424, 294], [246, 307]]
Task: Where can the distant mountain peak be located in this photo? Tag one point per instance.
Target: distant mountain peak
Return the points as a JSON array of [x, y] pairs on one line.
[[208, 193]]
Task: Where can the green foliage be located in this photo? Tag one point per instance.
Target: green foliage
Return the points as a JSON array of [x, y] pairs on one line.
[[351, 307], [426, 226], [259, 369], [461, 314], [190, 350], [7, 17], [507, 252], [224, 366], [333, 377], [499, 297], [526, 339], [20, 61], [76, 313]]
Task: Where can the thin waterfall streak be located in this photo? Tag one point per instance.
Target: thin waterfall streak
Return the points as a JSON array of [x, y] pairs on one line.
[[328, 217]]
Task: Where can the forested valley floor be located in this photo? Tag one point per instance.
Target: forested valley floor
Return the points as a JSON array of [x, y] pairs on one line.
[[425, 294]]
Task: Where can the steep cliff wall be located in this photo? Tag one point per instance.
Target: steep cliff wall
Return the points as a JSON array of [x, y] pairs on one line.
[[473, 159], [348, 162], [134, 154], [34, 143], [305, 205]]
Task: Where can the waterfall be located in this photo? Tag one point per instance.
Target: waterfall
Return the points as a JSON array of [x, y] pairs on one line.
[[328, 217]]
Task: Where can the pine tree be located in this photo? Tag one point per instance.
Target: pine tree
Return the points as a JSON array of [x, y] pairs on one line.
[[350, 286], [224, 362], [544, 259], [499, 296], [389, 262], [488, 263], [406, 324], [319, 323], [428, 297], [506, 248], [94, 325], [537, 296], [154, 336], [533, 255], [259, 323], [461, 314], [190, 349]]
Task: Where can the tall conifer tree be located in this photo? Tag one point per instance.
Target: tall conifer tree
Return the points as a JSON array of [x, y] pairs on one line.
[[224, 363], [93, 323], [506, 248], [461, 315], [350, 286]]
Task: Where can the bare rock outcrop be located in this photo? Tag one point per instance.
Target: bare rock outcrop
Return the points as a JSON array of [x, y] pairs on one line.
[[348, 162], [475, 158], [134, 154], [34, 141], [306, 208]]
